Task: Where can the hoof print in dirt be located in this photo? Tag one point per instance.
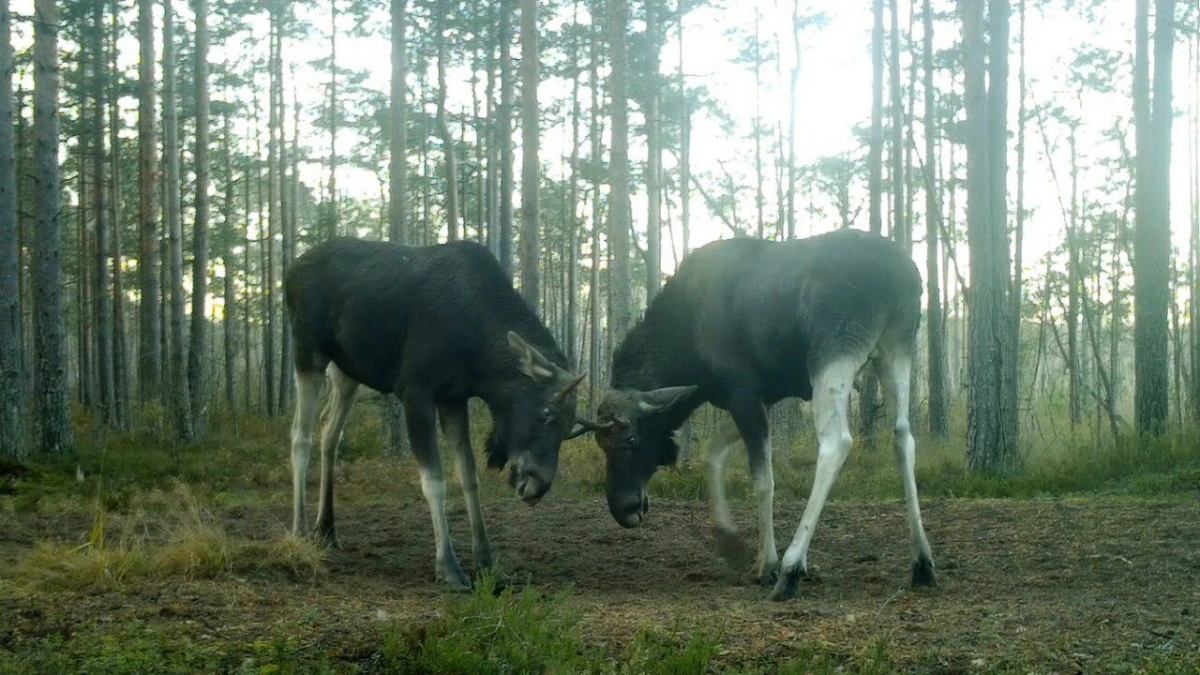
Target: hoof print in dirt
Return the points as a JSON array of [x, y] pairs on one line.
[[733, 548]]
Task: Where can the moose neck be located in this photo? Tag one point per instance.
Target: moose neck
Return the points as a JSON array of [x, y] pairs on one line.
[[651, 357]]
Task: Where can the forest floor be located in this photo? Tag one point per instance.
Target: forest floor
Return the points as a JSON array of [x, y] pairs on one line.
[[1048, 585]]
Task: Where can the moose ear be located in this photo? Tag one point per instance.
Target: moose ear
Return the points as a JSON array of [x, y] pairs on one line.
[[658, 400], [535, 366]]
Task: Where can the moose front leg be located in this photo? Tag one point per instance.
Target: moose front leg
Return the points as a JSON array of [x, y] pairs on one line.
[[420, 414], [456, 428]]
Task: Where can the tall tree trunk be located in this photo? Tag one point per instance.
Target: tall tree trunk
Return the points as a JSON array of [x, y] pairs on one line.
[[1074, 288], [335, 221], [12, 384], [1194, 238], [594, 352], [654, 154], [793, 86], [398, 127], [50, 410], [685, 153], [150, 331], [899, 215], [101, 282], [935, 327], [180, 394], [274, 134], [619, 208], [530, 171], [449, 155], [287, 226], [1152, 230], [392, 413], [198, 348], [229, 308], [573, 219], [875, 149], [989, 444], [1017, 292], [507, 84], [868, 401], [997, 121], [121, 388]]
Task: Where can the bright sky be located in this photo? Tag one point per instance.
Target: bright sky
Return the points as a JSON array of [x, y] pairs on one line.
[[834, 97]]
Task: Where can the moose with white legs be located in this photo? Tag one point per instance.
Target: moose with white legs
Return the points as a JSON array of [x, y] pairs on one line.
[[743, 324], [436, 326]]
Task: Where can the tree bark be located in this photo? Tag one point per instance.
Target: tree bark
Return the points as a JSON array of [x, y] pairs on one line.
[[149, 273], [989, 445], [899, 215], [12, 382], [868, 401], [198, 350], [531, 246], [101, 281], [1152, 231], [392, 413], [120, 357], [180, 394], [50, 411], [938, 421], [619, 216], [653, 154], [506, 146], [229, 308], [793, 86]]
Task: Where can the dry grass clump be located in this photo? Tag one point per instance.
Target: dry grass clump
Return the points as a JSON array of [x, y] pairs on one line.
[[170, 536]]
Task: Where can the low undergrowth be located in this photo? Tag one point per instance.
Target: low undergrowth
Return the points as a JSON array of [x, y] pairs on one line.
[[486, 632]]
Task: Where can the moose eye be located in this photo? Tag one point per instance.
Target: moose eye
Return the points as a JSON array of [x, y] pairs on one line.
[[547, 416], [629, 442]]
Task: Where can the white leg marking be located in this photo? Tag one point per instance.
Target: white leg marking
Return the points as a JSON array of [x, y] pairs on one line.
[[895, 373], [716, 452], [304, 422], [455, 425], [433, 486], [831, 394], [764, 489], [340, 402]]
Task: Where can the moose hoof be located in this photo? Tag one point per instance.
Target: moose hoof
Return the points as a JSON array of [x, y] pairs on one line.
[[787, 585], [732, 547], [922, 573], [327, 536], [766, 574], [455, 580]]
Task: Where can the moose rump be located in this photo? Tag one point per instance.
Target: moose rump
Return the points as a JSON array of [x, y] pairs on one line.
[[436, 326]]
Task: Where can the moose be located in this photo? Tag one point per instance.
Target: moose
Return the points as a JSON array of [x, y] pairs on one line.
[[743, 324], [436, 326]]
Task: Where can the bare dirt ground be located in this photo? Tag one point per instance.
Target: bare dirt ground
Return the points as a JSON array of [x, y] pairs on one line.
[[1061, 586]]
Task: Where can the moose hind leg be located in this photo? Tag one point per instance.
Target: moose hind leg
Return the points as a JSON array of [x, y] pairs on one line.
[[422, 432], [341, 401], [894, 374], [304, 422], [831, 397], [456, 428]]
